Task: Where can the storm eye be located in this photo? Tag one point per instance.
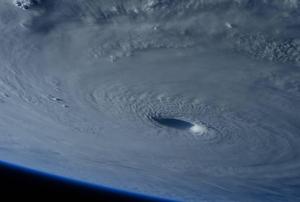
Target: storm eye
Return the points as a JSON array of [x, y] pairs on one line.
[[173, 123]]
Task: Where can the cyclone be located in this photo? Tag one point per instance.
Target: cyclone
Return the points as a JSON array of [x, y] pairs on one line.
[[188, 100]]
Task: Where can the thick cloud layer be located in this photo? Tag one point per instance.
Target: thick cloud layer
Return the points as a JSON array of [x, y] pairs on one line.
[[190, 100]]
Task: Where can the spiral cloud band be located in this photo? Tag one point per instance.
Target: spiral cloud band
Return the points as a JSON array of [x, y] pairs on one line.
[[194, 100]]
